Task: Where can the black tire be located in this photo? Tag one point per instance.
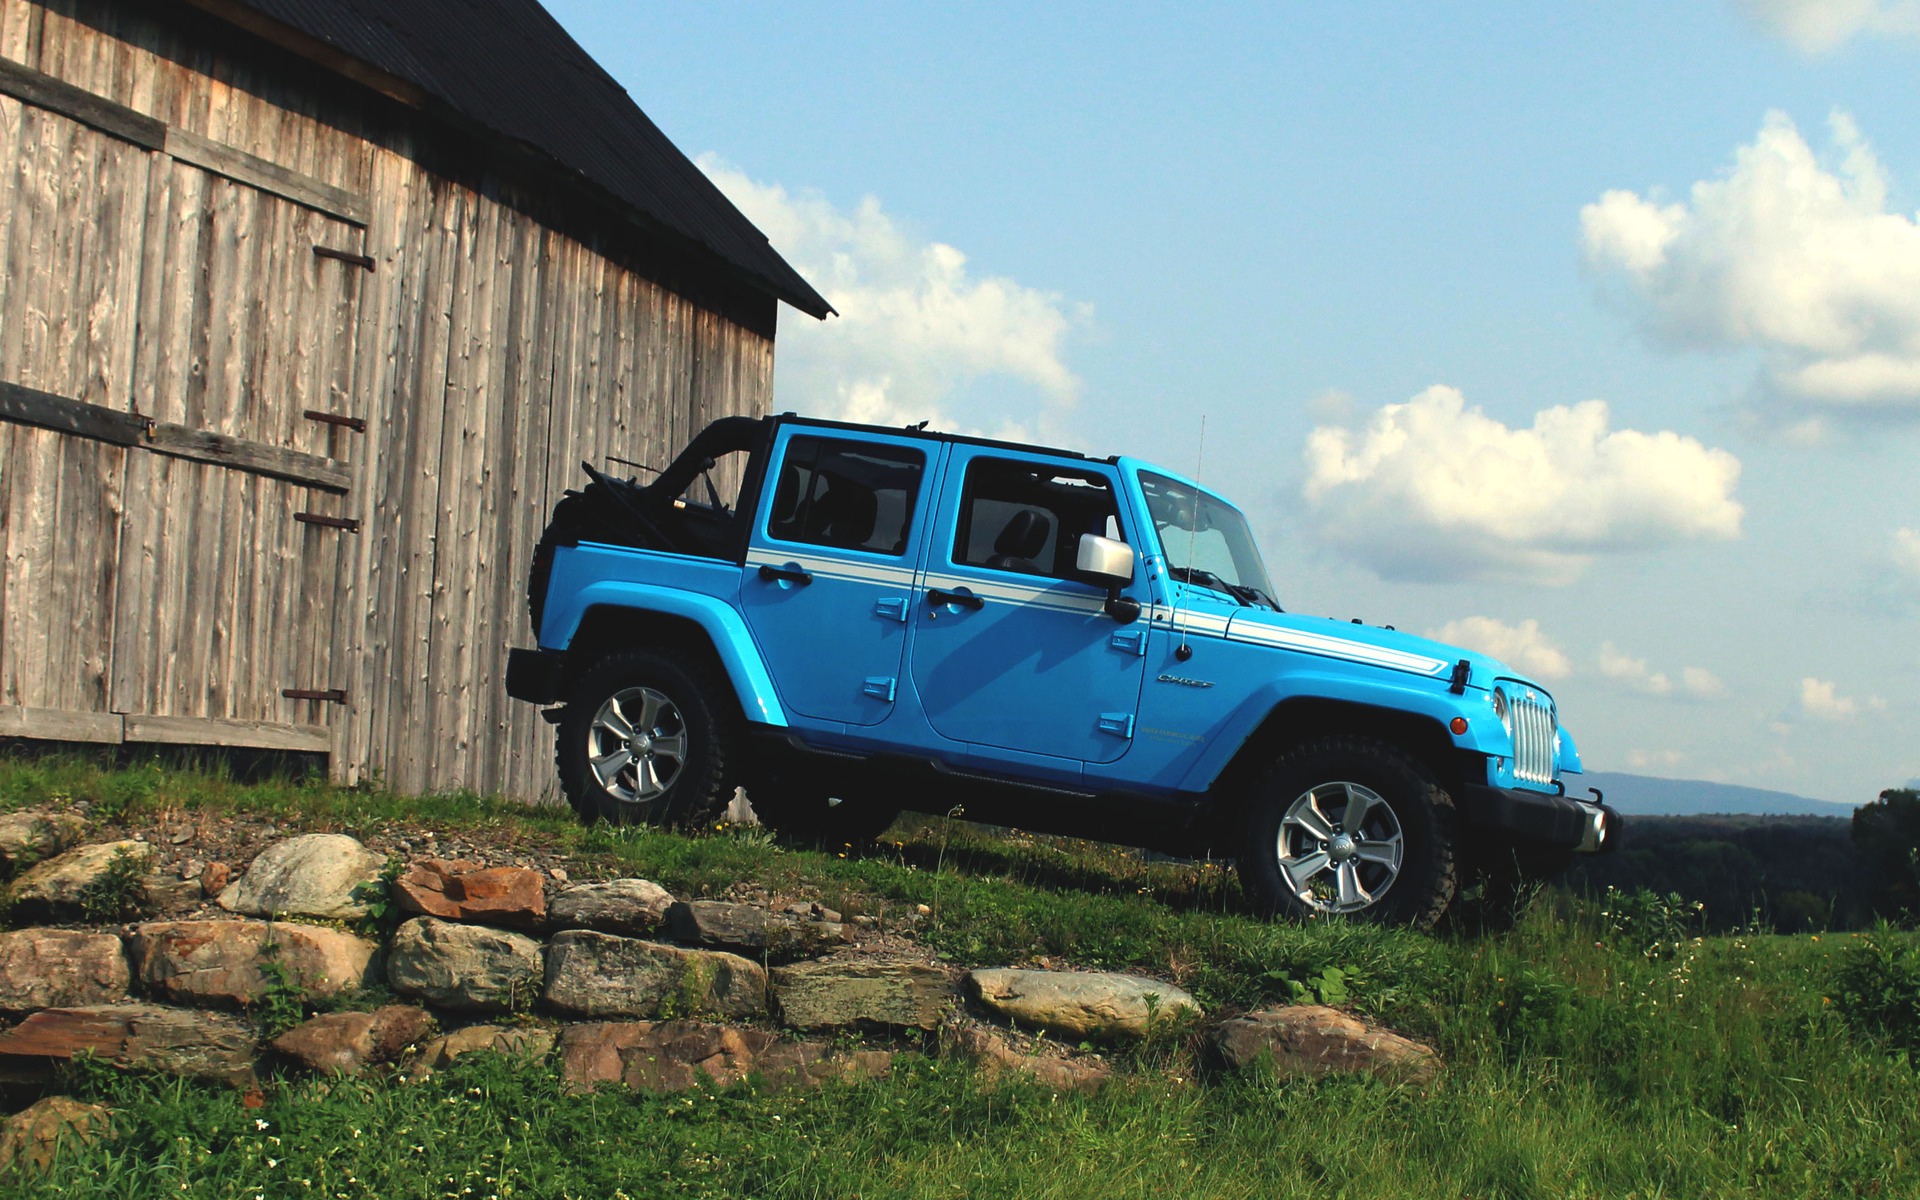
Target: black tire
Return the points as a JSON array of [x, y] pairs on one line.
[[1404, 815], [683, 731], [815, 813]]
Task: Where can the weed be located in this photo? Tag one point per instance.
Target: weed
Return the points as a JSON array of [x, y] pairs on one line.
[[282, 1004], [115, 894], [1877, 987]]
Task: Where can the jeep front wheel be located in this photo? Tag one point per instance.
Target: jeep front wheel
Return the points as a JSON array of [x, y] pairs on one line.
[[1353, 827], [645, 738]]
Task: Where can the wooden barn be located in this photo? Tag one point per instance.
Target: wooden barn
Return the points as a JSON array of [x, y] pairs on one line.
[[309, 311]]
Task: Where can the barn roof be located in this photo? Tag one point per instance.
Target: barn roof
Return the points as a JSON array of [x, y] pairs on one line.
[[510, 67]]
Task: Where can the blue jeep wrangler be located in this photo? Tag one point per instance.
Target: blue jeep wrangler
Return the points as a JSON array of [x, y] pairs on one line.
[[849, 621]]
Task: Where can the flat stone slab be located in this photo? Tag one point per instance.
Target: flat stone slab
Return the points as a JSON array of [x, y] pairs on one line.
[[1084, 1004], [440, 1053], [61, 968], [57, 888], [627, 906], [226, 962], [1312, 1039], [314, 875], [470, 968], [174, 1041], [751, 929], [671, 1056], [465, 891], [592, 974], [347, 1043], [997, 1058], [862, 992]]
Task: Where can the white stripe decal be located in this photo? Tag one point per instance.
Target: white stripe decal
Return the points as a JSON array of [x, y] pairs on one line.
[[1314, 643]]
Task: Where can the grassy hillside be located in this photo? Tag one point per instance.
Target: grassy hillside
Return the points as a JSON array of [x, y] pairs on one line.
[[1594, 1049]]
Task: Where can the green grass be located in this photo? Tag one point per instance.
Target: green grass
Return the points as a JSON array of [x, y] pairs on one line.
[[1593, 1050]]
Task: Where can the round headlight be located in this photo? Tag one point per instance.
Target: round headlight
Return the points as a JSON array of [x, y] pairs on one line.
[[1502, 709]]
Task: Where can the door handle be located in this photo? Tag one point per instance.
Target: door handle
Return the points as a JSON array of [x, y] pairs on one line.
[[963, 599], [772, 574]]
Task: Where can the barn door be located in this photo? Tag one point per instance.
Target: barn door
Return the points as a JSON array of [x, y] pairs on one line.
[[224, 616]]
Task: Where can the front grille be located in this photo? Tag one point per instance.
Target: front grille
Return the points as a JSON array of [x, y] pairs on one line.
[[1533, 730]]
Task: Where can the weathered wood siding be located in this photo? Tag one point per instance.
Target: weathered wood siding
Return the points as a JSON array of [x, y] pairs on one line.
[[167, 269]]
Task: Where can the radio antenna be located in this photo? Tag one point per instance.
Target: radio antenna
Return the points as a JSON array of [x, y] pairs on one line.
[[1183, 651]]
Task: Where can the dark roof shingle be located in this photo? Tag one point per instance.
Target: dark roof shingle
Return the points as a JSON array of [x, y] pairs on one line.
[[509, 66]]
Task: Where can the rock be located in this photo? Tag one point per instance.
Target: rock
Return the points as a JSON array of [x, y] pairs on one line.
[[1312, 1039], [174, 1041], [835, 992], [60, 968], [559, 874], [349, 1042], [670, 1056], [162, 893], [633, 906], [58, 887], [441, 1051], [465, 891], [750, 928], [467, 967], [593, 974], [996, 1058], [314, 875], [214, 878], [31, 1138], [223, 962], [1083, 1004], [32, 834]]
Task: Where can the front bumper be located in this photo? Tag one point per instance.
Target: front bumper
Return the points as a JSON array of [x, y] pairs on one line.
[[1586, 826]]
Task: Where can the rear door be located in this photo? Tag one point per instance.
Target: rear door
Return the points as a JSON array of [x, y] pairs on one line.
[[1011, 652], [828, 581]]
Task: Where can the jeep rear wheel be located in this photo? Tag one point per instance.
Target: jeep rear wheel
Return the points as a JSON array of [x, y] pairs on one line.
[[1352, 827], [645, 738]]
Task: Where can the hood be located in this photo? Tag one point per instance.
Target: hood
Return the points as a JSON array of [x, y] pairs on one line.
[[1368, 644]]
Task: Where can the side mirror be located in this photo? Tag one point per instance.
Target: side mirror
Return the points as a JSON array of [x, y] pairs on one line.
[[1106, 561]]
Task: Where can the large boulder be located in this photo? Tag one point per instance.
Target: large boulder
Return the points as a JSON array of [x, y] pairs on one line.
[[1084, 1004], [466, 891], [60, 968], [670, 1056], [836, 992], [313, 875], [630, 906], [173, 1041], [1312, 1039], [467, 967], [31, 1138], [439, 1053], [31, 834], [751, 928], [227, 962], [347, 1043], [997, 1058], [593, 974], [62, 887]]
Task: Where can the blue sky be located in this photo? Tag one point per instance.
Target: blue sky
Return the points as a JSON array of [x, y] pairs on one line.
[[1394, 253]]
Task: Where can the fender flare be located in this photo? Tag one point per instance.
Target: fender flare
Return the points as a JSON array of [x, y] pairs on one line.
[[1230, 737], [732, 642]]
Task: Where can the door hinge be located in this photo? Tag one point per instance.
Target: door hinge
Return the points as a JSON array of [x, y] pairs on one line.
[[330, 695], [1120, 725], [1130, 641], [894, 608], [880, 687]]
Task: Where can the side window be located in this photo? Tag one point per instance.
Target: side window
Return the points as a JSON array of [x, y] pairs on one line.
[[1028, 518], [851, 495]]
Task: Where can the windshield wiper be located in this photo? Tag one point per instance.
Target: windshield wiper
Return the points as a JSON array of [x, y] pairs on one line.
[[1239, 592]]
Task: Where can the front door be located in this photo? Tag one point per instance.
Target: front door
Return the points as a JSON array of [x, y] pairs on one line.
[[828, 582], [1011, 651]]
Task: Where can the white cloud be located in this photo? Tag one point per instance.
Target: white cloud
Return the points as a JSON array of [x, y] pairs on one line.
[[1633, 673], [1521, 646], [1641, 760], [1818, 26], [1906, 554], [1782, 254], [919, 335], [1821, 699], [1434, 490]]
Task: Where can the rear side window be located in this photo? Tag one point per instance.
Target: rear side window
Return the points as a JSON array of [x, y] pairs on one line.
[[1028, 517], [850, 495]]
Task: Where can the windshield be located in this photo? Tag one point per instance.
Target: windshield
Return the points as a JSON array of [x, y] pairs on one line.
[[1206, 540]]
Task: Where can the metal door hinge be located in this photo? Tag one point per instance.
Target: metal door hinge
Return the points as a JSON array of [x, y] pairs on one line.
[[1120, 725], [880, 687], [330, 695]]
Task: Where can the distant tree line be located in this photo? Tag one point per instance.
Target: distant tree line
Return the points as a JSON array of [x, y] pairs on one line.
[[1793, 874]]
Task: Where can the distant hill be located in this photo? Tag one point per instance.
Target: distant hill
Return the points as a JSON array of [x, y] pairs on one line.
[[1644, 795]]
